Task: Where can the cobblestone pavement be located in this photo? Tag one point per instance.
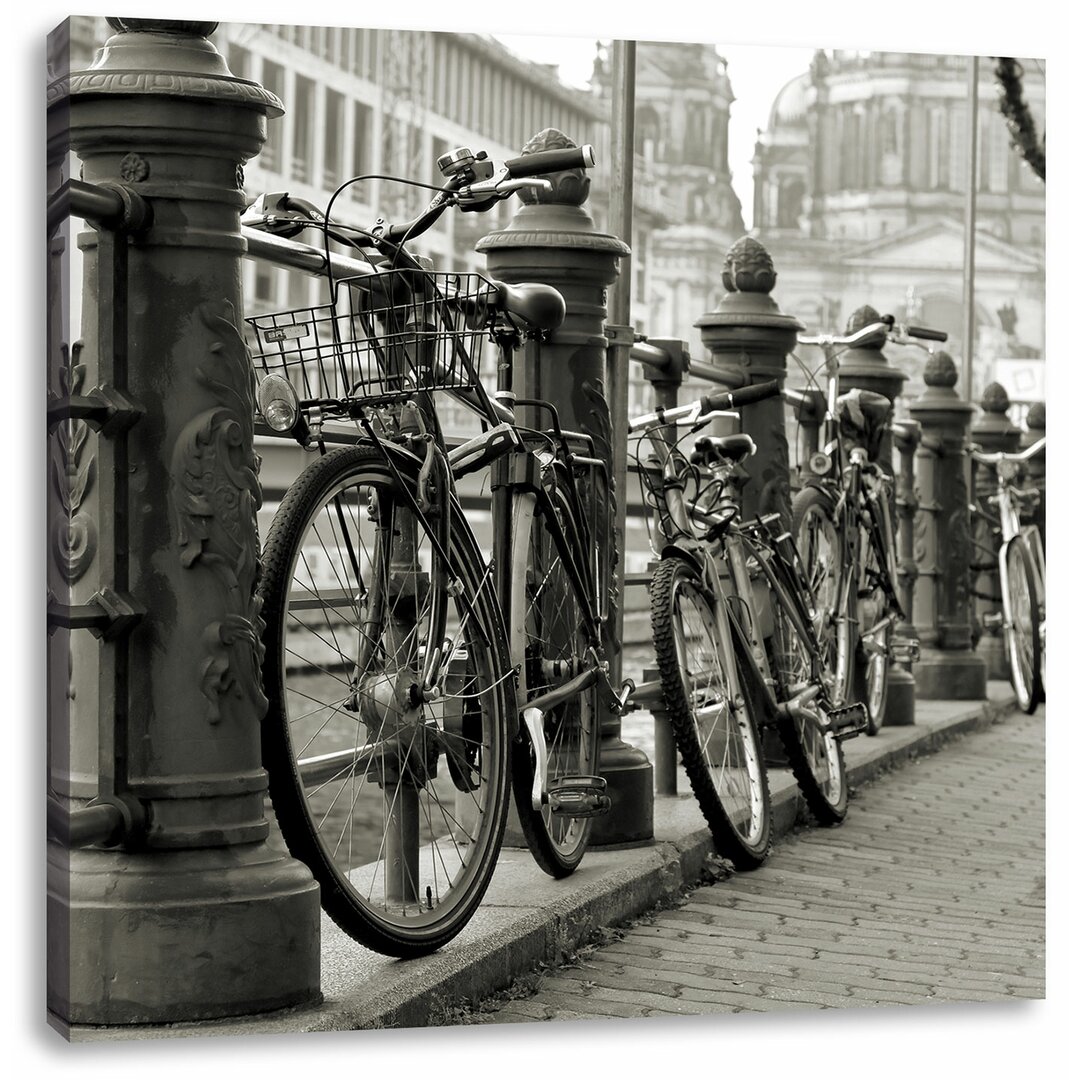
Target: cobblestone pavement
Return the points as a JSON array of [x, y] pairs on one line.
[[931, 891]]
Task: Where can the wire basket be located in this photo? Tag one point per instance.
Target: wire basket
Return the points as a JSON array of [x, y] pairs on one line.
[[383, 338]]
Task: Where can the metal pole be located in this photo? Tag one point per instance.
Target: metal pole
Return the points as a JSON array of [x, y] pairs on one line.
[[968, 355]]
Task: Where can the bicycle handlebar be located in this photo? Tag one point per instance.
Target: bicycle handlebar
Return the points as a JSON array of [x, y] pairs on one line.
[[896, 332], [550, 161], [1033, 450], [736, 399]]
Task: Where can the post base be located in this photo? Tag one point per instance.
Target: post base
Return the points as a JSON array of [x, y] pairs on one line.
[[992, 649], [900, 704], [951, 675], [629, 775], [145, 938]]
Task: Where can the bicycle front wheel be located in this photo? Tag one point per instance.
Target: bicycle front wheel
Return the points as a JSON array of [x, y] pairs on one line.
[[1023, 647], [816, 757], [548, 631], [710, 713], [393, 792], [820, 547]]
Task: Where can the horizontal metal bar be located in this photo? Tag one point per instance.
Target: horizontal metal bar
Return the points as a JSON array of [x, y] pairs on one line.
[[294, 255], [649, 355], [88, 825], [708, 372], [110, 207]]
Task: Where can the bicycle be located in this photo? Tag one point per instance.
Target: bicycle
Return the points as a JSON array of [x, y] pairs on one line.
[[844, 529], [407, 661], [1018, 559], [735, 643]]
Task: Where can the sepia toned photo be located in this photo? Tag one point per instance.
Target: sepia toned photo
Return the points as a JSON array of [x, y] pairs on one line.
[[539, 529]]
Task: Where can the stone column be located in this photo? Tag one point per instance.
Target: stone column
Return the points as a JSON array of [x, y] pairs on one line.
[[552, 239], [867, 368], [991, 432], [948, 667], [900, 706], [190, 914], [749, 338]]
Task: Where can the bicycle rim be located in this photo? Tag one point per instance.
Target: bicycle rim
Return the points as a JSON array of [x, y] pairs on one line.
[[820, 548], [875, 635], [396, 803], [710, 713], [1022, 644], [816, 758], [553, 645]]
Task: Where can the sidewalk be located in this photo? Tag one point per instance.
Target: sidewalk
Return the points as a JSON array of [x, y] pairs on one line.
[[527, 918]]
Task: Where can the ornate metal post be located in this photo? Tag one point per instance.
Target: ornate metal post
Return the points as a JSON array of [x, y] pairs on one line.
[[867, 368], [552, 239], [948, 667], [900, 708], [188, 913], [1035, 423], [993, 431], [749, 338]]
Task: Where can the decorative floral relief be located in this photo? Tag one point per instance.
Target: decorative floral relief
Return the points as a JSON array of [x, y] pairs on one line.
[[215, 494], [74, 536], [600, 429]]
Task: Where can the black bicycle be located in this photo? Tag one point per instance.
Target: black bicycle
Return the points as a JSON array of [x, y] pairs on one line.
[[735, 640], [412, 683]]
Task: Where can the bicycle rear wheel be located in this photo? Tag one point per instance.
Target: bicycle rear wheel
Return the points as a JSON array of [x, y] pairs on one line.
[[395, 798], [816, 757], [709, 708], [548, 630], [875, 618], [1023, 647], [820, 547]]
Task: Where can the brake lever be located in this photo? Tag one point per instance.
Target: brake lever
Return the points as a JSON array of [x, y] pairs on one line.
[[496, 188]]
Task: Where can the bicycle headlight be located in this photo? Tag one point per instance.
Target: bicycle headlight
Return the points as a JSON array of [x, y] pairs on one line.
[[820, 463], [278, 403], [1009, 470]]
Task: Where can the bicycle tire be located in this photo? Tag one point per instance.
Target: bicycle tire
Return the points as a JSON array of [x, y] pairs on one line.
[[441, 785], [545, 608], [816, 758], [821, 550], [1023, 647], [870, 678], [735, 801]]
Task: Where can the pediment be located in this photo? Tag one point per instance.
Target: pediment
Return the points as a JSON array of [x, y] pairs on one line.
[[941, 244]]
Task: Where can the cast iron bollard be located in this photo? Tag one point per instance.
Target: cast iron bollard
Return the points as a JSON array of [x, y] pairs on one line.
[[749, 338], [1035, 424], [991, 432], [948, 667], [193, 914], [867, 368], [553, 240], [900, 707]]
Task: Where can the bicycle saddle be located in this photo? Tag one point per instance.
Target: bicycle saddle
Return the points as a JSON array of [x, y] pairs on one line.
[[710, 449], [541, 306], [864, 417]]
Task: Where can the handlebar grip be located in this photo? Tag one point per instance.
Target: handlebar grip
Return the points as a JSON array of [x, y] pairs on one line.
[[927, 333], [549, 161], [736, 399]]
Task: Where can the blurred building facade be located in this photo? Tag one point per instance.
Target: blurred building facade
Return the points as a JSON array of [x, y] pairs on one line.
[[860, 184]]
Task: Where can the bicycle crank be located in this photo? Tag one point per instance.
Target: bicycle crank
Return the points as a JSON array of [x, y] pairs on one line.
[[569, 796]]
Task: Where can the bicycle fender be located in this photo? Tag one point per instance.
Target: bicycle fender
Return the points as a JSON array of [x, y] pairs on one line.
[[673, 551]]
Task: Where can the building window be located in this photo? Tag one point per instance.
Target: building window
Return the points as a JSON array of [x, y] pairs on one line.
[[273, 79], [303, 128], [264, 283], [239, 61], [362, 156], [333, 139]]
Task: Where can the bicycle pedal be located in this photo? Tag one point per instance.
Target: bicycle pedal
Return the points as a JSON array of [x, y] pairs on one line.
[[904, 651], [848, 722], [578, 796]]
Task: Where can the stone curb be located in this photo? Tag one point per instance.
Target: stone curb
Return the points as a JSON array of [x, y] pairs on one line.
[[527, 919]]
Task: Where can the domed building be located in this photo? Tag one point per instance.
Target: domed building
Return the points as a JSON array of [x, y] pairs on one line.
[[860, 187]]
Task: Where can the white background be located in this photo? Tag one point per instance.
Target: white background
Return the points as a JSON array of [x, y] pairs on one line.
[[932, 1041]]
